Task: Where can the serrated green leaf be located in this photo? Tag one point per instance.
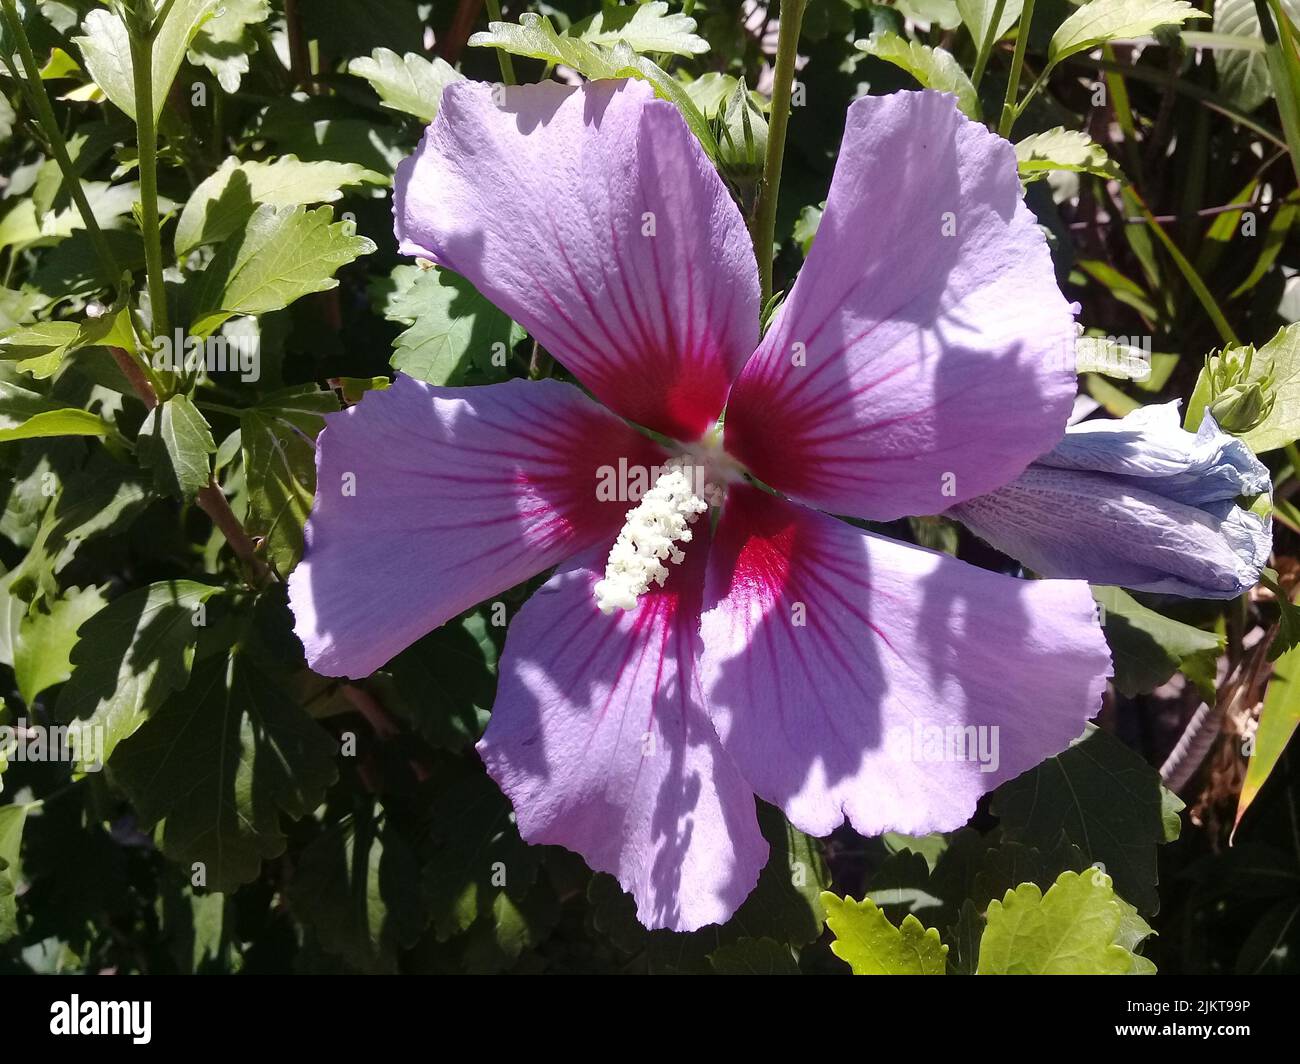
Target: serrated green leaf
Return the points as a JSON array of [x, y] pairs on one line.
[[358, 886], [408, 83], [445, 682], [282, 254], [1106, 799], [478, 855], [219, 764], [130, 657], [455, 330], [12, 820], [38, 349], [646, 28], [1079, 927], [1099, 21], [46, 636], [497, 941], [1062, 149], [754, 956], [175, 442], [279, 448], [102, 499], [932, 67], [535, 38], [871, 945], [223, 43], [224, 201], [106, 48], [978, 14], [1147, 647], [27, 415]]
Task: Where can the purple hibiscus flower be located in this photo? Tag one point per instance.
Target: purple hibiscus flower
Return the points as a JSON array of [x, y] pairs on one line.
[[676, 665]]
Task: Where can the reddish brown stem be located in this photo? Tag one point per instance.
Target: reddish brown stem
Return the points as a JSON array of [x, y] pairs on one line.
[[135, 377], [211, 500], [462, 25], [299, 54]]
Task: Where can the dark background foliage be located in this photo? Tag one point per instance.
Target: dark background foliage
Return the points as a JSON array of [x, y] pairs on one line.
[[389, 858]]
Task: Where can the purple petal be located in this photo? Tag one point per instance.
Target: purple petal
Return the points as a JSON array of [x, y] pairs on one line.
[[592, 217], [1111, 530], [1151, 446], [910, 369], [600, 739], [851, 675], [459, 493]]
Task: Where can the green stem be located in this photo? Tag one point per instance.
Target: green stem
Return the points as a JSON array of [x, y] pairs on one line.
[[1017, 63], [34, 88], [503, 57], [1193, 279], [147, 140], [986, 46], [763, 226], [1284, 72]]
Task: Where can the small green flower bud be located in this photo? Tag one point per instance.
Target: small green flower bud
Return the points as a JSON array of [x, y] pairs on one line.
[[1239, 399], [741, 132], [1241, 407]]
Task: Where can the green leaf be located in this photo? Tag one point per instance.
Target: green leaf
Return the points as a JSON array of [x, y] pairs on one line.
[[282, 254], [455, 331], [225, 200], [1100, 21], [175, 442], [224, 43], [1062, 149], [645, 28], [498, 940], [26, 415], [216, 767], [445, 682], [1278, 719], [873, 946], [1243, 72], [131, 656], [279, 448], [358, 886], [1079, 927], [1106, 799], [478, 855], [408, 83], [754, 956], [787, 903], [535, 38], [931, 67], [978, 14], [45, 638], [1280, 360], [40, 349], [1147, 647], [106, 48], [12, 819], [102, 499], [1101, 354]]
